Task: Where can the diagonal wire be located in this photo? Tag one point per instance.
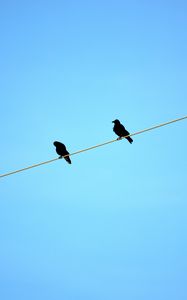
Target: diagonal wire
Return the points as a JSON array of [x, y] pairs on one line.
[[93, 147]]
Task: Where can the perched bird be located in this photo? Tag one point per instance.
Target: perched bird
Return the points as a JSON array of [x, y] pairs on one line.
[[120, 130], [61, 150]]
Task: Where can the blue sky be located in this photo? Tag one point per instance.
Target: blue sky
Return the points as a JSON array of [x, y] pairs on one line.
[[113, 224]]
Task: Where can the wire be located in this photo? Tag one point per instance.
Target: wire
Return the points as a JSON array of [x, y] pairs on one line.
[[93, 147]]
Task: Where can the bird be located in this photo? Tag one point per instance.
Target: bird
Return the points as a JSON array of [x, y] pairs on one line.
[[62, 151], [120, 130]]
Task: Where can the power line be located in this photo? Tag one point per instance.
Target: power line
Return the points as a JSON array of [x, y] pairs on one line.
[[93, 147]]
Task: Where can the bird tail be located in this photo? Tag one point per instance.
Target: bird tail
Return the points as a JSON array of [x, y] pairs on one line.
[[129, 139], [68, 159]]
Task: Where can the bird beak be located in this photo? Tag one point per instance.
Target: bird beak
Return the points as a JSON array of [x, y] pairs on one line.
[[112, 121]]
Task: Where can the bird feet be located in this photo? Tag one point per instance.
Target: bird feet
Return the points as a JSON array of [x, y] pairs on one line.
[[119, 138]]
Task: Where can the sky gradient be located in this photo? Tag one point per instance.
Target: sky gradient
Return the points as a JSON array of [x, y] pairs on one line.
[[113, 224]]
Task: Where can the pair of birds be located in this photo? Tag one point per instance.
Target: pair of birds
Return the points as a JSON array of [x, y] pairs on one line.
[[118, 128]]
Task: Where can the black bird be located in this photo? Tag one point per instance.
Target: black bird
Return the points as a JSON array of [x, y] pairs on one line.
[[120, 130], [61, 150]]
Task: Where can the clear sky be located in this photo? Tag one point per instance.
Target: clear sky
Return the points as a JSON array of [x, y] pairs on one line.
[[113, 224]]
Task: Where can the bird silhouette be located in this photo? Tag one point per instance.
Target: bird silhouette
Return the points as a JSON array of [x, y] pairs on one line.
[[61, 150], [120, 130]]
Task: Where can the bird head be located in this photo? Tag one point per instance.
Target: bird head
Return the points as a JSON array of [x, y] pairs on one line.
[[116, 121], [55, 143]]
